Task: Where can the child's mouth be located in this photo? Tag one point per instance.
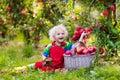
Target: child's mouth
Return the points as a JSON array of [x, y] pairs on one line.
[[61, 38]]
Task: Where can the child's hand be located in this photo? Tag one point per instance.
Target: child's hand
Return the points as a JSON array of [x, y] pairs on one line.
[[85, 34], [47, 61]]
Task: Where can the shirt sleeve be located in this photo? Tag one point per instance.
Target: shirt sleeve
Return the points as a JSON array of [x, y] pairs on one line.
[[68, 46], [46, 50]]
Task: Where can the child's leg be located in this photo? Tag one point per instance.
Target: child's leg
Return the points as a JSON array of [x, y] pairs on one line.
[[23, 68], [31, 66], [19, 69]]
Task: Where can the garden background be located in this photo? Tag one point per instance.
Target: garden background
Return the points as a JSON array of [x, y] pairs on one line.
[[24, 26]]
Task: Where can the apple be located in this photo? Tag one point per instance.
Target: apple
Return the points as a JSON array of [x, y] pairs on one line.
[[74, 37], [9, 15], [81, 31], [36, 38], [91, 49], [23, 12], [31, 28], [0, 32], [102, 51], [105, 12], [98, 23], [102, 28], [74, 18], [68, 52], [112, 7], [79, 49], [8, 8], [63, 69], [76, 33], [94, 47], [87, 29], [78, 27], [85, 50]]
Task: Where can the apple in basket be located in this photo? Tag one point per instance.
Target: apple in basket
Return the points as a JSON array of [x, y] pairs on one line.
[[68, 52], [85, 50], [91, 49], [79, 49]]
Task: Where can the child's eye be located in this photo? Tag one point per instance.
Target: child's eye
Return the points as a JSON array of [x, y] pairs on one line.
[[62, 33], [58, 33]]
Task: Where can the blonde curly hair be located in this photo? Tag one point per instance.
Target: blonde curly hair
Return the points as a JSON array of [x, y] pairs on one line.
[[53, 30]]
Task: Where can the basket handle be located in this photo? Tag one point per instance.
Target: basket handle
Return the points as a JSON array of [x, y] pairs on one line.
[[78, 42]]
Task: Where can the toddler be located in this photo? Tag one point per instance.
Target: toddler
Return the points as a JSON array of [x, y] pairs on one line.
[[53, 53]]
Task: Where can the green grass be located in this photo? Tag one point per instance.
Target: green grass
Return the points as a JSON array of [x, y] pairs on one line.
[[12, 56]]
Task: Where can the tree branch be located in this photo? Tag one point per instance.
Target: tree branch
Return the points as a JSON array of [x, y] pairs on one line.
[[114, 13], [89, 8]]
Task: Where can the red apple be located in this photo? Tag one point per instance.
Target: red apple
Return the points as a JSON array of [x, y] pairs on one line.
[[79, 49], [74, 37], [31, 28], [102, 51], [85, 50], [81, 31], [63, 69], [9, 15], [68, 52], [94, 47], [105, 12], [98, 23], [87, 29], [76, 33], [78, 27], [36, 38], [102, 28], [112, 7], [23, 12], [0, 32], [8, 8], [91, 49]]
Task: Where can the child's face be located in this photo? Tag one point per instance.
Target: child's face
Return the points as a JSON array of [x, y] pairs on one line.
[[59, 36]]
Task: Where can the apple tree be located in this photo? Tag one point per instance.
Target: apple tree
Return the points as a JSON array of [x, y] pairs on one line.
[[102, 17]]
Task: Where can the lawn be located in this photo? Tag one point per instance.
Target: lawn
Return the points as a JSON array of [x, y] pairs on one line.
[[14, 54]]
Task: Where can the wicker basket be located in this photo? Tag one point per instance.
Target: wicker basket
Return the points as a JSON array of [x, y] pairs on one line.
[[77, 61]]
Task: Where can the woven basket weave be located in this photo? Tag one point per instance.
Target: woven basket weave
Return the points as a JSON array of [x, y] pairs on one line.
[[77, 61]]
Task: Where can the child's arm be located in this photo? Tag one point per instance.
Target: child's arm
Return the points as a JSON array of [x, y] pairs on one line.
[[46, 51], [82, 36]]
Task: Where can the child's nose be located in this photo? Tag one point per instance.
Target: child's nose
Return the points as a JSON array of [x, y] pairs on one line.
[[61, 35]]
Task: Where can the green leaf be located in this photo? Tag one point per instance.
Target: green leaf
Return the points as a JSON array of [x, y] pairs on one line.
[[117, 43], [110, 43], [114, 30]]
